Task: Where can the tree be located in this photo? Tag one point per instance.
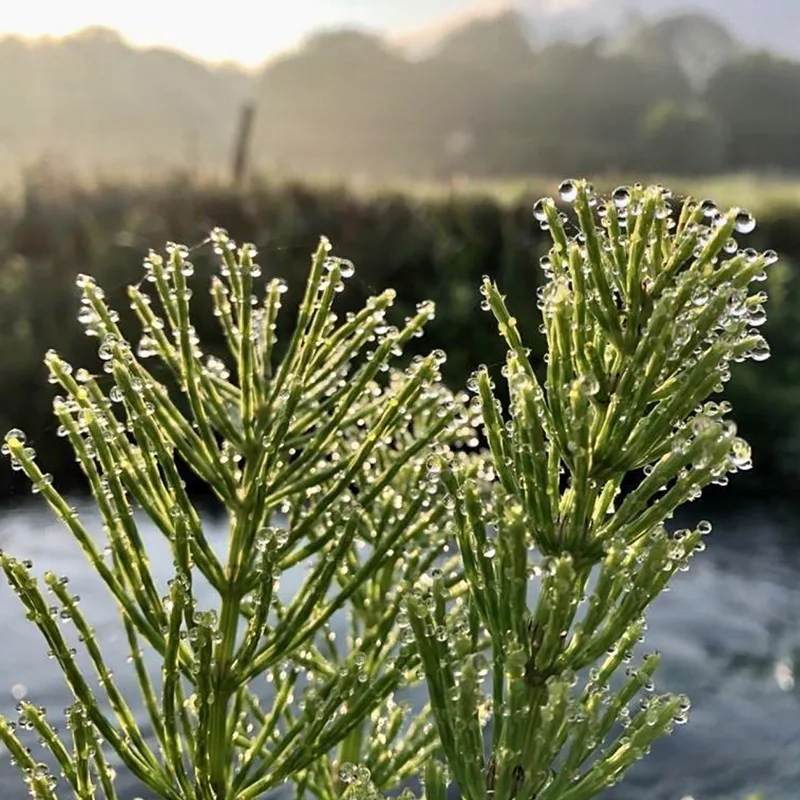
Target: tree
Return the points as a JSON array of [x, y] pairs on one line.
[[581, 108], [756, 98], [696, 43], [682, 139], [496, 41]]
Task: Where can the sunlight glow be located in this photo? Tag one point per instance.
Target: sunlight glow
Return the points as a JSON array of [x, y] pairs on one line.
[[247, 31], [234, 30]]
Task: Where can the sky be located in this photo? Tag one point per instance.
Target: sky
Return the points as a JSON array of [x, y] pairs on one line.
[[247, 31]]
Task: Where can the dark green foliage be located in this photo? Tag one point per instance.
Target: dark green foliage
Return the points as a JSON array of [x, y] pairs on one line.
[[755, 98], [425, 249], [683, 139]]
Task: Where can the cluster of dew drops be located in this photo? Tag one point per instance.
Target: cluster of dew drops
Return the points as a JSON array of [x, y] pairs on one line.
[[628, 207], [622, 198]]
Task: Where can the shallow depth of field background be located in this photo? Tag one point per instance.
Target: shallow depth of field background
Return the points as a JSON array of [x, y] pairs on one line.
[[416, 135]]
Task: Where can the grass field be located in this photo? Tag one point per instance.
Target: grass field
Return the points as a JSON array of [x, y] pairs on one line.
[[756, 192]]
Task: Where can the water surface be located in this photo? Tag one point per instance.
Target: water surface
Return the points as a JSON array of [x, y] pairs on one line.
[[729, 634]]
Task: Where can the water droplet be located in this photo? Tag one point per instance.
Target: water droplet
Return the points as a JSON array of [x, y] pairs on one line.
[[347, 772], [760, 350], [568, 191], [745, 222], [621, 196], [709, 209], [704, 527], [105, 351], [16, 433], [539, 209], [146, 347], [757, 316], [434, 464], [741, 455]]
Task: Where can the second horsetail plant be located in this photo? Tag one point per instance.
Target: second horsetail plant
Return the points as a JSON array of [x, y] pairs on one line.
[[566, 548], [325, 455]]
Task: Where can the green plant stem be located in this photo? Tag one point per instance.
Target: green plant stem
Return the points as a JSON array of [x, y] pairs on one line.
[[219, 747]]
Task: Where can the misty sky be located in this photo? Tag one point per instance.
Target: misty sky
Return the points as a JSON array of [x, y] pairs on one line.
[[247, 31]]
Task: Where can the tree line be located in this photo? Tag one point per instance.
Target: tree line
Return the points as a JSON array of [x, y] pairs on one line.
[[679, 95], [675, 95]]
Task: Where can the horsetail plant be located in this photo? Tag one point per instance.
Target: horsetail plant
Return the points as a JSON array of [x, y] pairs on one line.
[[320, 458], [643, 315], [325, 455]]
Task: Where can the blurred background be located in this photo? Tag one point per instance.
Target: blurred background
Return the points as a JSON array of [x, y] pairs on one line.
[[416, 135], [376, 90]]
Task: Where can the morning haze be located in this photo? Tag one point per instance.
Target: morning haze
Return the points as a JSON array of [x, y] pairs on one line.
[[493, 89]]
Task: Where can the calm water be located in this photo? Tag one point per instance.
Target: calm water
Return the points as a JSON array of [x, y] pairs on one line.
[[729, 634]]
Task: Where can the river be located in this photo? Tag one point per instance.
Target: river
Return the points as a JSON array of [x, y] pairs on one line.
[[729, 634]]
